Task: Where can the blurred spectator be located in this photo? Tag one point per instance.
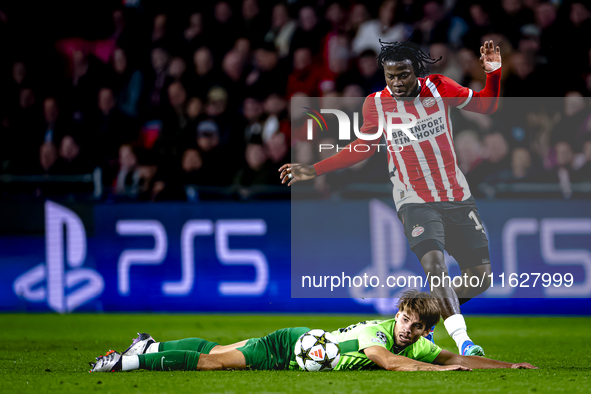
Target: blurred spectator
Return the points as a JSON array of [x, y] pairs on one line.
[[192, 168], [545, 18], [254, 25], [470, 67], [447, 65], [72, 160], [228, 126], [253, 112], [496, 159], [242, 47], [308, 77], [225, 31], [113, 128], [204, 76], [55, 126], [479, 23], [157, 80], [87, 78], [564, 173], [218, 169], [367, 74], [282, 30], [337, 17], [194, 34], [269, 74], [584, 172], [128, 177], [277, 149], [175, 120], [160, 36], [468, 150], [176, 69], [357, 16], [521, 81], [277, 121], [338, 55], [47, 156], [258, 170], [233, 78], [572, 126], [522, 168], [385, 28], [10, 96], [18, 124], [436, 26], [308, 32], [353, 90], [513, 16], [128, 84], [579, 25]]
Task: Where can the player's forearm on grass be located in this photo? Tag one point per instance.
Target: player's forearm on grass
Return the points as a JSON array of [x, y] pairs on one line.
[[474, 362], [347, 157], [393, 362], [486, 101]]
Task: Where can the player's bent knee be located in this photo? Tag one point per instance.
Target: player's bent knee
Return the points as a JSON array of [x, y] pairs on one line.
[[434, 263]]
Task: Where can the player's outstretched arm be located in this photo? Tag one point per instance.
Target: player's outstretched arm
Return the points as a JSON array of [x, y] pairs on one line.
[[476, 362], [295, 172], [393, 362], [486, 101]]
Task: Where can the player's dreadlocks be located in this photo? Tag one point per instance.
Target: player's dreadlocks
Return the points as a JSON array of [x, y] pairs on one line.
[[406, 50]]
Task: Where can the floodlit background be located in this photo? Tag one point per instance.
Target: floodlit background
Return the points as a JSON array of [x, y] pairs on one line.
[[139, 148]]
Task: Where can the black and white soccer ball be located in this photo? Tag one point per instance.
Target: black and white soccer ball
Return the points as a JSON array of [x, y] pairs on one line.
[[317, 350]]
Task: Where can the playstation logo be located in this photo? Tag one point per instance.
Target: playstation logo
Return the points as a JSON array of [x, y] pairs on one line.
[[64, 232]]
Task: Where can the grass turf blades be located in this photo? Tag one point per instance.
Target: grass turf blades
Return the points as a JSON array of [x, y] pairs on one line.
[[43, 353]]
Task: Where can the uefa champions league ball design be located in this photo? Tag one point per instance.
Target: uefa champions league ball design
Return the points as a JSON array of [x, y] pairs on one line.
[[317, 350]]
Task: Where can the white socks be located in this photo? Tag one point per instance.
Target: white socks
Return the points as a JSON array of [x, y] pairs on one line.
[[456, 327], [130, 363], [153, 348]]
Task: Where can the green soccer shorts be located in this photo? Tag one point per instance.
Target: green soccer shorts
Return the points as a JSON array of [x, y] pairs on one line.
[[273, 351]]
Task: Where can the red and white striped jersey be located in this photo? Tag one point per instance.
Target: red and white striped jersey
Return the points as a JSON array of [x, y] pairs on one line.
[[425, 169]]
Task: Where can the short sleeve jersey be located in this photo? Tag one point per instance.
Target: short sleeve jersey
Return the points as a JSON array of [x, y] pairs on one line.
[[357, 337]]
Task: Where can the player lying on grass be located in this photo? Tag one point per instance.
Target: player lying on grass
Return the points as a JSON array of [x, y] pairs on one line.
[[396, 345]]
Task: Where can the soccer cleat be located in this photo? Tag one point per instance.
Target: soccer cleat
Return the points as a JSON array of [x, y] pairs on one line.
[[139, 345], [107, 363], [430, 337], [470, 349]]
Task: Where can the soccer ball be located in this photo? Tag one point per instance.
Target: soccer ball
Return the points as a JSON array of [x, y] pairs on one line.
[[317, 350]]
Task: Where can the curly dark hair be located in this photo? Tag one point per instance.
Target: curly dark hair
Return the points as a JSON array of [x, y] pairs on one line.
[[406, 50]]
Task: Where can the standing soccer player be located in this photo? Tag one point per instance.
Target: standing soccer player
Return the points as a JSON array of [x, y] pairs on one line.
[[431, 194]]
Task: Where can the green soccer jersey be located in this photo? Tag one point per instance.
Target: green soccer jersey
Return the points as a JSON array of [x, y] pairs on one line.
[[356, 337]]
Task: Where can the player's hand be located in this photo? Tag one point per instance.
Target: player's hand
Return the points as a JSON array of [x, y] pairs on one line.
[[453, 368], [523, 366], [489, 54], [294, 172]]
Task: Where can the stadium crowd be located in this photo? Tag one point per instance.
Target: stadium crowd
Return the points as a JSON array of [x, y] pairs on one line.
[[163, 95]]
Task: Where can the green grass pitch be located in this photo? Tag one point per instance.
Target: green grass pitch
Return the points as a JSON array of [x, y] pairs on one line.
[[50, 353]]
